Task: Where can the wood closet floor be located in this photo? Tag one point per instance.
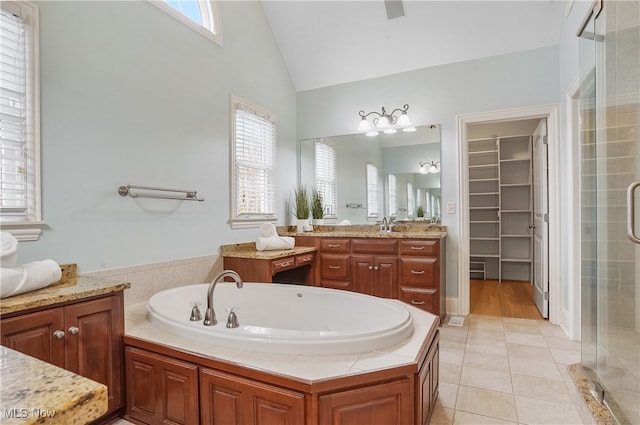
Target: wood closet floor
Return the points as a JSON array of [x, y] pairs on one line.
[[506, 299]]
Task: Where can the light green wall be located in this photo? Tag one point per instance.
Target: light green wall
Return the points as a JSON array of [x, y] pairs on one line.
[[129, 95]]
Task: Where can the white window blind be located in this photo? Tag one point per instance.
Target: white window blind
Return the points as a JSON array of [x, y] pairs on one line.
[[393, 197], [326, 177], [19, 133], [253, 164], [410, 200], [372, 191]]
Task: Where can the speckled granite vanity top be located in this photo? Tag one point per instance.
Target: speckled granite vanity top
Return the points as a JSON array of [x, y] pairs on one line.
[[70, 288], [35, 392], [248, 250], [399, 230]]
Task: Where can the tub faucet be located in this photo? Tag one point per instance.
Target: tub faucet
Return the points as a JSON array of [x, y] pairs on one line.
[[210, 314]]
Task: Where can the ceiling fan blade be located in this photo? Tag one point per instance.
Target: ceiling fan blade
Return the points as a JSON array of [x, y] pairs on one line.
[[395, 8]]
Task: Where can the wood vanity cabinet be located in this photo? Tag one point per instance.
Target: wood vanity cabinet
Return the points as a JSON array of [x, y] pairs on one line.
[[421, 278], [375, 267], [161, 389], [296, 268], [334, 263], [83, 337]]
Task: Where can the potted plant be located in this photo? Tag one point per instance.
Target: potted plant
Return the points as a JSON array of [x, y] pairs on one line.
[[301, 209], [420, 212], [317, 207]]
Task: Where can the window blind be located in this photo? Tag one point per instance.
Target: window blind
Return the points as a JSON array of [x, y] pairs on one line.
[[393, 199], [326, 177], [410, 200], [372, 191], [14, 137], [253, 153]]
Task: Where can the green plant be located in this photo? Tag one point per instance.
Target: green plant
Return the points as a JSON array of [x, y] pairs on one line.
[[317, 204], [301, 202], [420, 211]]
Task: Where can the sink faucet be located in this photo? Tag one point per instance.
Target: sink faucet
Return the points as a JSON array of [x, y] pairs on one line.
[[210, 314], [386, 224]]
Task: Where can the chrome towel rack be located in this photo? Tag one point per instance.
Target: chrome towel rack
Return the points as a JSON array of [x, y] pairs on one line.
[[189, 195]]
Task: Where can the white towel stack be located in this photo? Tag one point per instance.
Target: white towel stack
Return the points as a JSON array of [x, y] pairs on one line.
[[18, 279], [270, 241]]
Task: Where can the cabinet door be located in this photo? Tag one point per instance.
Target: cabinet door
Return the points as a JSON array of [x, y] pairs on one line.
[[232, 400], [161, 390], [386, 277], [34, 334], [363, 275], [390, 403], [94, 350]]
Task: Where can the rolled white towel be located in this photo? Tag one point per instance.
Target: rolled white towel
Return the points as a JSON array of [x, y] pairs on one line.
[[8, 250], [268, 230], [344, 223], [275, 243], [28, 277]]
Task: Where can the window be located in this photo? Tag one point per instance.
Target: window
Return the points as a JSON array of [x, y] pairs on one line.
[[410, 200], [326, 177], [372, 191], [20, 211], [393, 198], [201, 15], [253, 146]]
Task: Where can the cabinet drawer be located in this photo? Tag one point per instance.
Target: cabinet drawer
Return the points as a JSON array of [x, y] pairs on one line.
[[419, 247], [425, 299], [283, 264], [335, 245], [419, 271], [304, 259], [373, 246], [335, 266]]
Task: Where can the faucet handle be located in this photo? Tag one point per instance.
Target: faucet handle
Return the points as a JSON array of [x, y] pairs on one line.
[[195, 312], [232, 320]]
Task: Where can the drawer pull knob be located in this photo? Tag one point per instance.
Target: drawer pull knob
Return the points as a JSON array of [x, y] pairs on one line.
[[370, 267], [417, 248], [417, 272], [58, 334], [305, 259], [375, 268], [73, 330], [417, 302], [333, 245], [334, 267], [288, 263]]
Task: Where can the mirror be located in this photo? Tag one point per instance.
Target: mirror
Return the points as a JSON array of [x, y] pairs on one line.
[[399, 155]]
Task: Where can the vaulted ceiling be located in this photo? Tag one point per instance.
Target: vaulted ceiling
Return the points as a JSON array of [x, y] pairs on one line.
[[328, 42]]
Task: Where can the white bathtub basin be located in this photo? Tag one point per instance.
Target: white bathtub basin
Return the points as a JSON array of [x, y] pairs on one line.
[[285, 318]]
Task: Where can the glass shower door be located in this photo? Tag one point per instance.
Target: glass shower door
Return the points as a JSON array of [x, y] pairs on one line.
[[610, 106]]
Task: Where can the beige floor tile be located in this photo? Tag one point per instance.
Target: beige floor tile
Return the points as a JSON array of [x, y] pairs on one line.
[[529, 352], [459, 331], [487, 347], [525, 339], [486, 402], [453, 345], [522, 328], [520, 321], [562, 343], [441, 415], [483, 334], [450, 373], [533, 411], [487, 379], [451, 356], [466, 418], [448, 394], [483, 323], [540, 388], [535, 368], [565, 357], [486, 361], [547, 329]]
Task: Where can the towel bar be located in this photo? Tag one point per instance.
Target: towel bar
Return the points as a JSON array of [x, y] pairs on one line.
[[189, 195]]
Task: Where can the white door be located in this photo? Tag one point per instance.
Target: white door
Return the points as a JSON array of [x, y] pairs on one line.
[[540, 220]]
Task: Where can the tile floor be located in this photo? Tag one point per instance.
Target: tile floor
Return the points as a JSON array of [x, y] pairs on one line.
[[496, 370]]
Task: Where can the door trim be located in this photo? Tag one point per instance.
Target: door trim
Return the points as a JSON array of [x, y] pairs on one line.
[[551, 113]]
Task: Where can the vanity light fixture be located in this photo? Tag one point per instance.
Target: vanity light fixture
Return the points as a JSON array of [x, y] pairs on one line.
[[429, 167], [386, 122]]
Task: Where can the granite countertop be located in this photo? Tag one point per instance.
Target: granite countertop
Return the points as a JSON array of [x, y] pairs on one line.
[[37, 392], [248, 250], [70, 288], [399, 230]]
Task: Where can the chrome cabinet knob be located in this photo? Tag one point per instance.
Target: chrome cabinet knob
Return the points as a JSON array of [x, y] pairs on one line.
[[58, 334], [73, 330]]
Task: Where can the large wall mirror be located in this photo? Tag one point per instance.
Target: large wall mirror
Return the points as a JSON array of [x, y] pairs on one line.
[[395, 175]]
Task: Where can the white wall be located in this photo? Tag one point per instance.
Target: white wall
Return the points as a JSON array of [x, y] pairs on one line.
[[437, 95], [132, 96]]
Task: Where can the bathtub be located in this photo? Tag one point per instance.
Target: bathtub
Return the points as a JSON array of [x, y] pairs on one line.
[[285, 318]]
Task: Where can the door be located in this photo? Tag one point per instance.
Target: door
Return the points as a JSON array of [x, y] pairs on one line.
[[540, 220]]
